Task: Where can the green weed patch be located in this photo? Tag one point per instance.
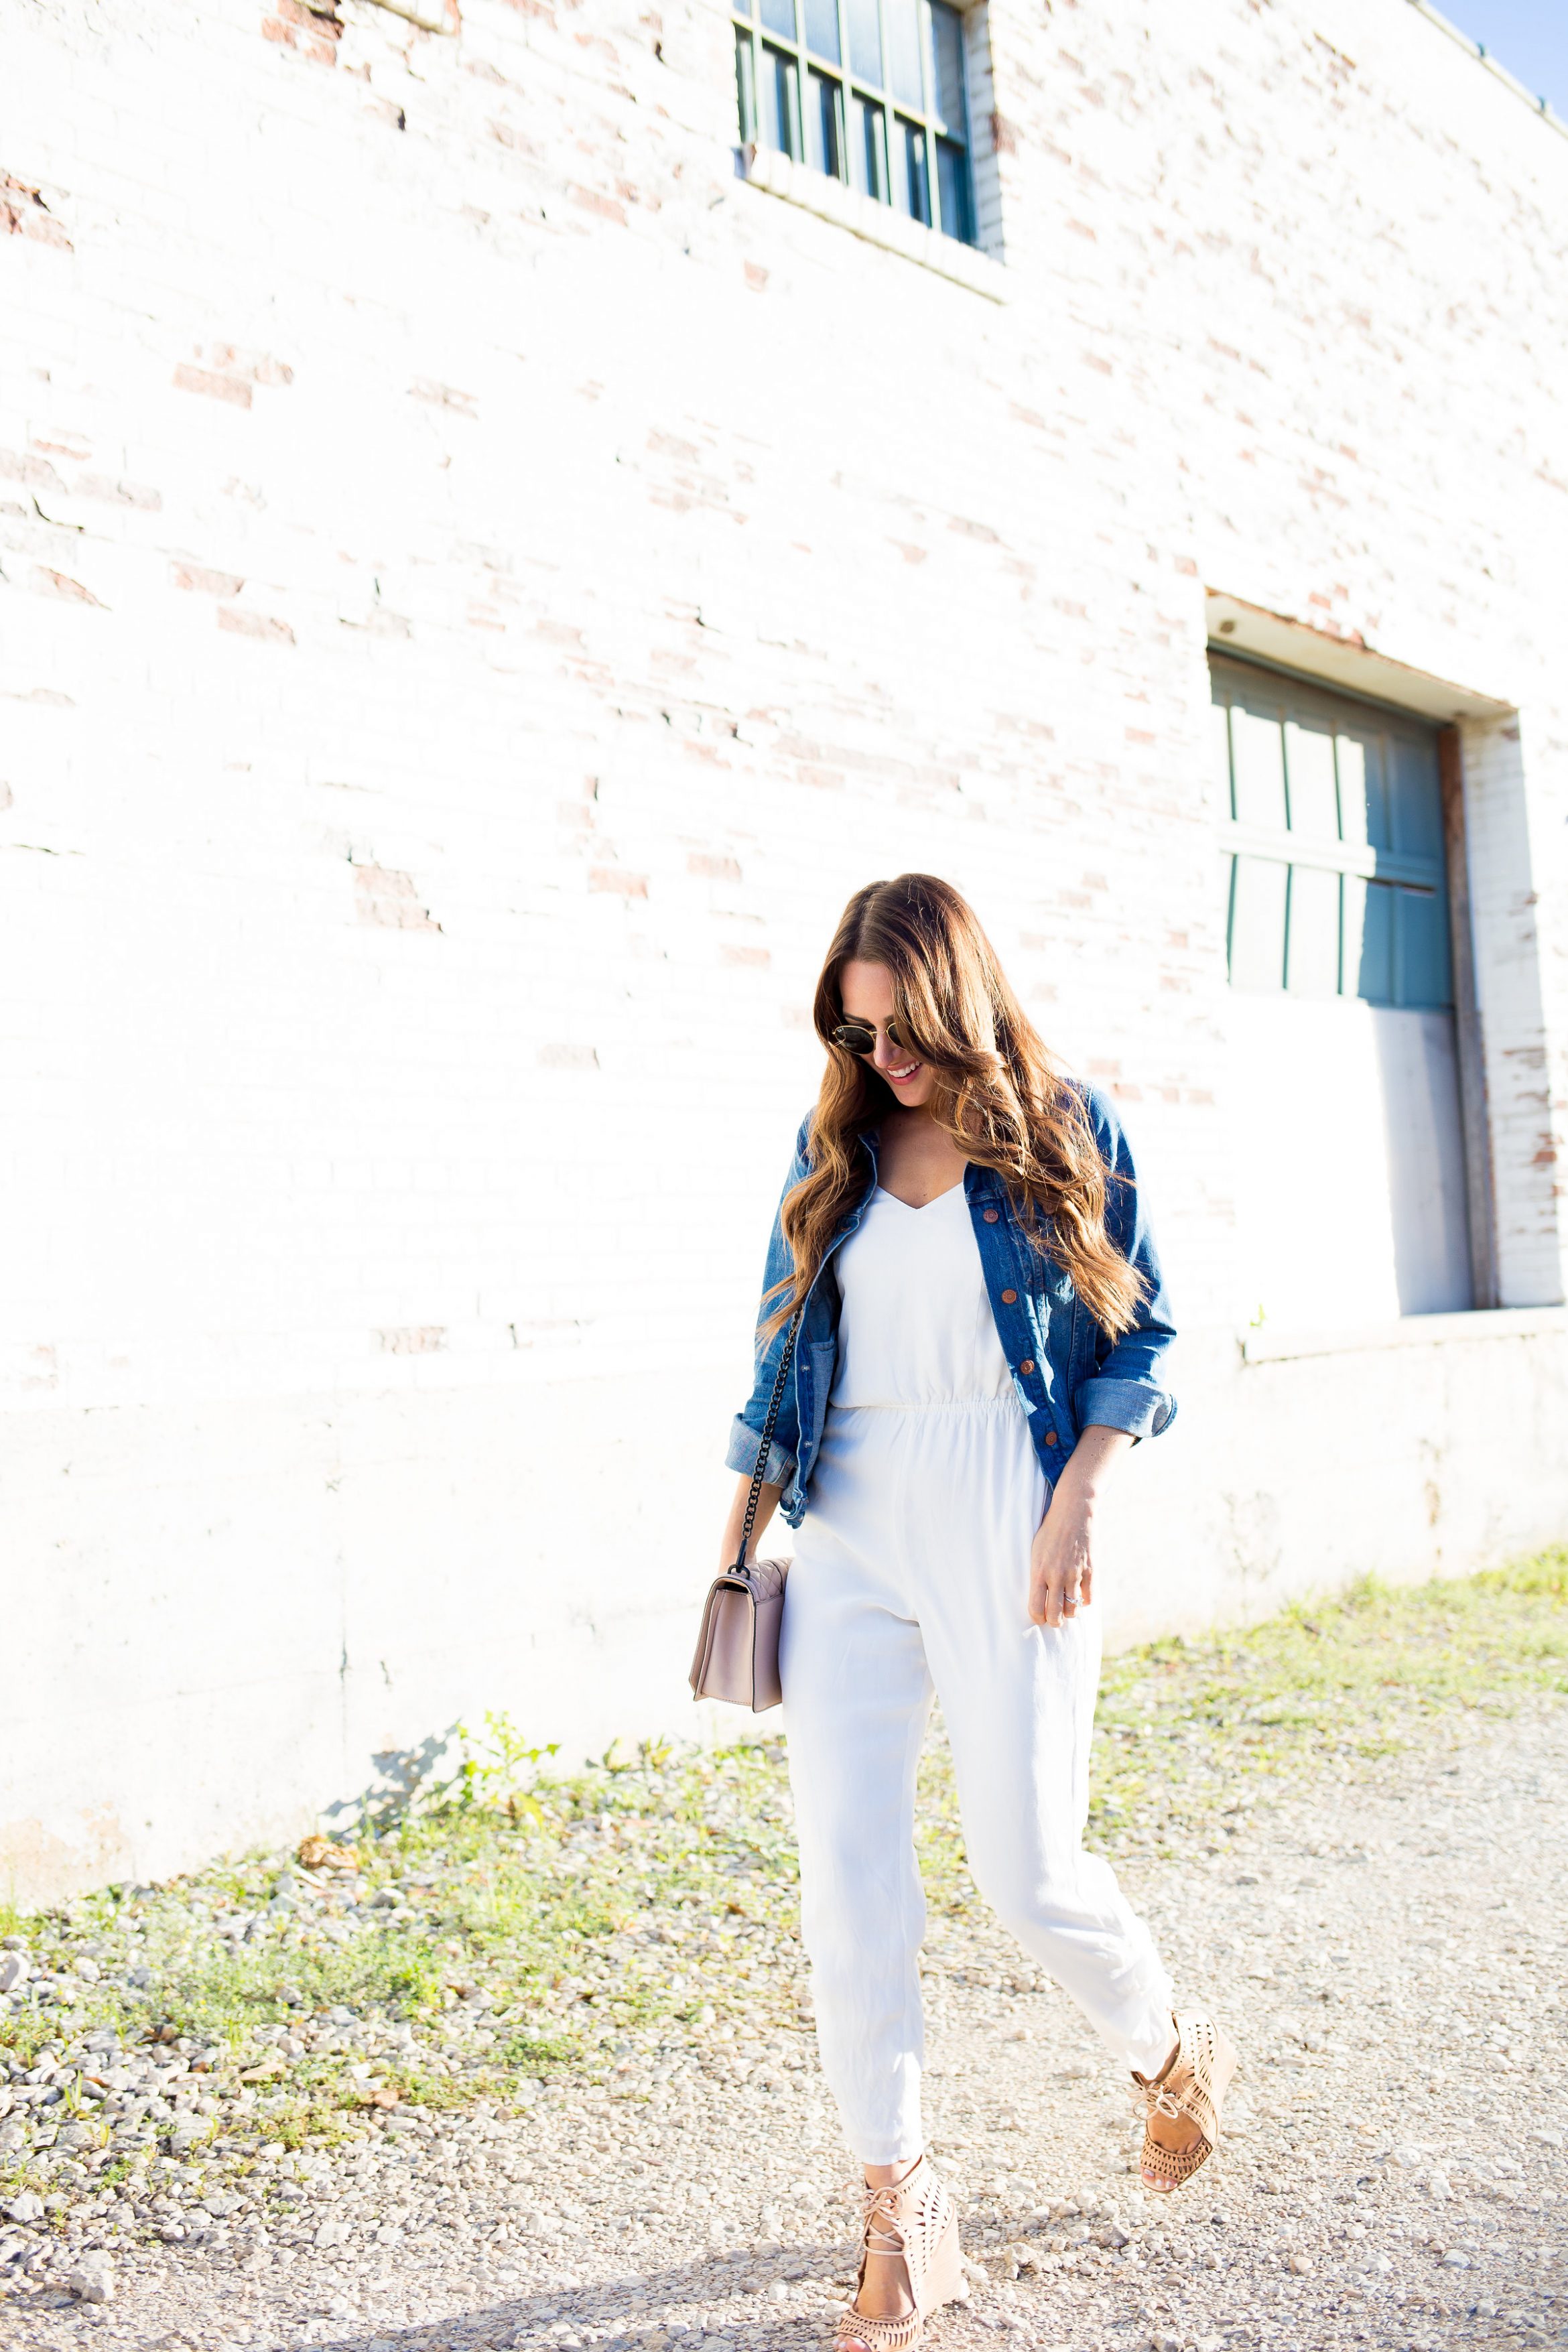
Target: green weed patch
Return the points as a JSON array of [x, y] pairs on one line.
[[529, 1925]]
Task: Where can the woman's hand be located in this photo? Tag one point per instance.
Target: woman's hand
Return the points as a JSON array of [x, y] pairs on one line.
[[1061, 1558]]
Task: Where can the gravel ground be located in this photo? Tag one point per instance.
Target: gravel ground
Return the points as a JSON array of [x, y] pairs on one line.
[[1384, 1945]]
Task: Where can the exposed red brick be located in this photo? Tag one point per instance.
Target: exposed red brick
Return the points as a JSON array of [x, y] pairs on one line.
[[756, 277], [715, 869], [23, 213], [259, 625], [608, 877], [208, 584], [57, 583], [37, 472], [388, 901], [258, 366], [605, 206], [506, 134], [231, 388], [322, 30]]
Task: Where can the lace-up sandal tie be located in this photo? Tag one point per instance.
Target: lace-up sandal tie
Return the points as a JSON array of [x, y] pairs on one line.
[[1192, 2085], [915, 2217]]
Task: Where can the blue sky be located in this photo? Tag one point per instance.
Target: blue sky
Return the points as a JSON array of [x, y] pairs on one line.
[[1529, 37]]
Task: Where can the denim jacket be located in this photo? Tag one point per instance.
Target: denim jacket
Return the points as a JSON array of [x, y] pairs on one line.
[[1067, 1372]]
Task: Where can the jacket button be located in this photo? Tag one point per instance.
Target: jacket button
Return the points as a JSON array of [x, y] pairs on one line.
[[1027, 1365], [992, 1215], [1050, 1437], [1009, 1298]]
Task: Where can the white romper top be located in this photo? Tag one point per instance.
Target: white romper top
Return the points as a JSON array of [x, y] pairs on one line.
[[916, 1328]]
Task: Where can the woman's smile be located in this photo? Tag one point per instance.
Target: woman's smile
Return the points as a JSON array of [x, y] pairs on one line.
[[866, 994]]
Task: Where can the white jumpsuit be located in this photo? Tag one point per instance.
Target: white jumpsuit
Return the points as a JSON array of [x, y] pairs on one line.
[[911, 1575]]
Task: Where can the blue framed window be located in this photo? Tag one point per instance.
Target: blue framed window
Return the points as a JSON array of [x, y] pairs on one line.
[[1333, 842], [873, 92]]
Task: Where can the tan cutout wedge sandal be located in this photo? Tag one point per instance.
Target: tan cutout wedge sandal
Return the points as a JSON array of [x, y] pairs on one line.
[[1192, 2083], [915, 2217]]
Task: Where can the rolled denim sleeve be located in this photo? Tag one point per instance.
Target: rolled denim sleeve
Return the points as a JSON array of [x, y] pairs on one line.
[[744, 1441], [1126, 1389], [746, 1432]]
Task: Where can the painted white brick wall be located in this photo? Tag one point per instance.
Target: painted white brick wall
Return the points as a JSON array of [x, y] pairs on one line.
[[481, 585], [1518, 924]]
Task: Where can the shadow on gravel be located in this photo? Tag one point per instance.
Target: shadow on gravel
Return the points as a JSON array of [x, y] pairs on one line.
[[542, 2315]]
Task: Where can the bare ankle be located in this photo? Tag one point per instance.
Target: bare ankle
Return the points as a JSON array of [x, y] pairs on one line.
[[888, 2176]]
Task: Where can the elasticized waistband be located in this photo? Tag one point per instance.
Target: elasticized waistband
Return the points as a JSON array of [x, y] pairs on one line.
[[1000, 1406]]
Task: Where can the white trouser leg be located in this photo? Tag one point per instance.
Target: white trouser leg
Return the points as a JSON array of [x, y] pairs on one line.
[[1019, 1709], [856, 1700], [913, 1570]]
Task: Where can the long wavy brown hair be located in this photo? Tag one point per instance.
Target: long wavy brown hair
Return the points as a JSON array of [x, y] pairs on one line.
[[999, 1094]]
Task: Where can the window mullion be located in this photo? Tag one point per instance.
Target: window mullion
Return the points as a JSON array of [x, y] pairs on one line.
[[798, 94], [928, 88], [846, 107], [1230, 915], [1345, 987], [885, 82], [1357, 858], [1284, 979], [884, 189], [746, 58]]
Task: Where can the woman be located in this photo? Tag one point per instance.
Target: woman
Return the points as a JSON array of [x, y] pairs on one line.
[[982, 1324]]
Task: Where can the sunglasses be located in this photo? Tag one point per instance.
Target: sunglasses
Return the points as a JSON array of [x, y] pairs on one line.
[[861, 1037]]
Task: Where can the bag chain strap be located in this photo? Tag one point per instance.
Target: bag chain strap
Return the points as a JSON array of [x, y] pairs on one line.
[[765, 1447]]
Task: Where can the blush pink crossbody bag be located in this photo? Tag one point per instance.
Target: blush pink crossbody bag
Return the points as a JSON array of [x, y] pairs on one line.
[[738, 1644]]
